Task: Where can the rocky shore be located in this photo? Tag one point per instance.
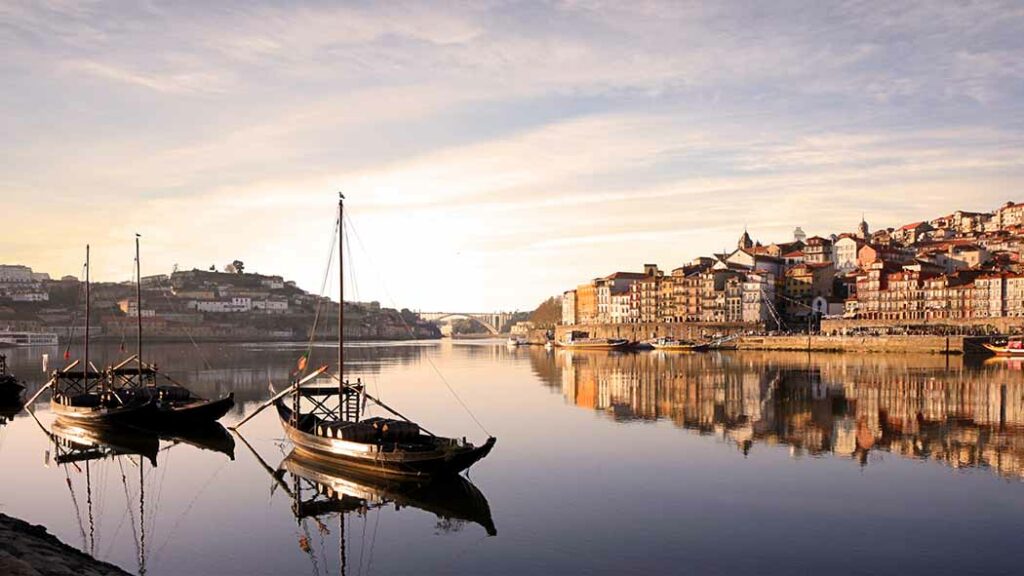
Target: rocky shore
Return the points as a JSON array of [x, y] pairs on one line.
[[28, 550]]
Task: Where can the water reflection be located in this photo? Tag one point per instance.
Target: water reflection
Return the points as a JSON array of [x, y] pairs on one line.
[[963, 415], [320, 491]]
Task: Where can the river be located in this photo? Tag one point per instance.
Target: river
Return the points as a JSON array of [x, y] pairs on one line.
[[606, 463]]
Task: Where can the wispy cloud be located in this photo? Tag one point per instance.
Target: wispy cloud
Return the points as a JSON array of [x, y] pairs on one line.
[[512, 149]]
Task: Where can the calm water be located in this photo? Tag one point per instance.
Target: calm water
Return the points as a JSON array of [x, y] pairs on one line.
[[731, 463]]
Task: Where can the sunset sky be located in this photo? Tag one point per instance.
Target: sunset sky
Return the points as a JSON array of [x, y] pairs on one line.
[[493, 153]]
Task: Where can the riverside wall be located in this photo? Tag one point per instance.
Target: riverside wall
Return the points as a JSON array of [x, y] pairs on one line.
[[857, 344], [909, 344], [646, 331]]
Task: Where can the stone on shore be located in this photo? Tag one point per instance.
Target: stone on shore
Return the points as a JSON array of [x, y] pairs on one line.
[[28, 550]]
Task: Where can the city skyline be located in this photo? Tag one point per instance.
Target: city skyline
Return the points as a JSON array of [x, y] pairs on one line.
[[492, 154]]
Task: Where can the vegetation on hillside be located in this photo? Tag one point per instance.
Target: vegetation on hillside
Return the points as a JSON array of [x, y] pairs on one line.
[[548, 314]]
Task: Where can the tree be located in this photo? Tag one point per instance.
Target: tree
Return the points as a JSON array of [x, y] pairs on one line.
[[236, 267], [548, 314]]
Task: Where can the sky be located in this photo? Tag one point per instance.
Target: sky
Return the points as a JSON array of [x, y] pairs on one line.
[[492, 154]]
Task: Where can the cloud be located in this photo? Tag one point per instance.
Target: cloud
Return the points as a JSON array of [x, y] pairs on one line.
[[495, 152]]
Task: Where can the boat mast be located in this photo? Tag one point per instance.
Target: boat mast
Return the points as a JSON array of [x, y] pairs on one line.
[[85, 369], [341, 295], [138, 307]]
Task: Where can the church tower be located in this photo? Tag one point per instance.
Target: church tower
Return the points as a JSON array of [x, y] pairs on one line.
[[862, 229], [745, 243]]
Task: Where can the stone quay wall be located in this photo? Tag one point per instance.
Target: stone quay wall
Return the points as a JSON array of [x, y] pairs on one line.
[[647, 331], [856, 344], [973, 325]]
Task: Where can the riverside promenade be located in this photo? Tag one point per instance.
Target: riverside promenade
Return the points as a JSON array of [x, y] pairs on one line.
[[750, 339]]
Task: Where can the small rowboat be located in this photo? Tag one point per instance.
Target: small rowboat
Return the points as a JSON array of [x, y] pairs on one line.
[[673, 345], [1014, 347]]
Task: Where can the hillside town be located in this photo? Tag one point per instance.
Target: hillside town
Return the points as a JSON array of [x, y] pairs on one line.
[[192, 305], [961, 270]]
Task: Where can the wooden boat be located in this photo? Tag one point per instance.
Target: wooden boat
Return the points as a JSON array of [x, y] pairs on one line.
[[176, 405], [333, 432], [674, 345], [1012, 348], [582, 341], [84, 396], [10, 387]]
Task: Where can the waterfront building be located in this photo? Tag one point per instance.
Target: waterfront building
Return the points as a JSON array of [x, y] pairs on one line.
[[606, 288], [620, 310], [758, 297], [803, 283], [817, 250], [645, 293], [586, 303], [846, 248]]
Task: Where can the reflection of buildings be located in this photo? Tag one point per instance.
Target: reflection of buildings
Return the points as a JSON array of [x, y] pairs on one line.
[[849, 406]]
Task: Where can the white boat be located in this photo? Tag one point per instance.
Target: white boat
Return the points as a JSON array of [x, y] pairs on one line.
[[28, 339], [514, 342]]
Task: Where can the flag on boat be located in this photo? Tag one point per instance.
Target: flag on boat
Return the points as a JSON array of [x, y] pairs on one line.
[[303, 360]]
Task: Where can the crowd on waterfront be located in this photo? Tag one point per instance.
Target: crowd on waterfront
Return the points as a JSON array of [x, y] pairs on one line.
[[959, 273]]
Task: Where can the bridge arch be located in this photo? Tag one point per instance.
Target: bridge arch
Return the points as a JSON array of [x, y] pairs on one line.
[[459, 316]]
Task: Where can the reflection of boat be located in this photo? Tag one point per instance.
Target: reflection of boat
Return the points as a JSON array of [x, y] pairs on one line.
[[453, 498], [210, 436], [674, 345], [10, 388], [332, 429], [549, 345], [76, 443], [1013, 347], [577, 340]]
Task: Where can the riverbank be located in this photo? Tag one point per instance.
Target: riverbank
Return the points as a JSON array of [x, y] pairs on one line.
[[918, 344], [29, 550]]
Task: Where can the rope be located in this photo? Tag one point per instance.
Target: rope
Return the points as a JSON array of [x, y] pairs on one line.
[[413, 335], [320, 301], [188, 333]]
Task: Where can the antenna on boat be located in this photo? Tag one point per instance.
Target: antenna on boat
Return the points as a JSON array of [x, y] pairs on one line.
[[138, 306]]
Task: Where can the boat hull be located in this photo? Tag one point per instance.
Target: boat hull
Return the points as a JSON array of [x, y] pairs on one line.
[[138, 414], [10, 391], [681, 347], [595, 346], [1004, 351], [197, 412], [366, 458]]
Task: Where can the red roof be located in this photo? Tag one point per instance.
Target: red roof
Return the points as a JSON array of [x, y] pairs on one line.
[[912, 226], [794, 254]]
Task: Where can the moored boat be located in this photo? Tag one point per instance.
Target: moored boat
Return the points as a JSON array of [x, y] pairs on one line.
[[324, 420], [175, 405], [84, 395], [10, 387], [675, 345], [582, 341], [1012, 348]]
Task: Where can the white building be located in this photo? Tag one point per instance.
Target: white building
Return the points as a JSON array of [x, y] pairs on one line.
[[271, 305], [846, 248], [569, 307]]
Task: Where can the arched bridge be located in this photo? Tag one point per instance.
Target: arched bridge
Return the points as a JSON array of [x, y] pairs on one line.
[[494, 322]]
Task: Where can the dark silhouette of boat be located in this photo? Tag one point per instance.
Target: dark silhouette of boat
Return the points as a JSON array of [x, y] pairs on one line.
[[10, 387]]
